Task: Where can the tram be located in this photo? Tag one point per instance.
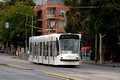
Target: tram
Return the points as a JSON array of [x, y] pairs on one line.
[[55, 49]]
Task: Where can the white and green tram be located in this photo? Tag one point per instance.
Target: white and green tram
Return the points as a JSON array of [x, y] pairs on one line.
[[55, 49]]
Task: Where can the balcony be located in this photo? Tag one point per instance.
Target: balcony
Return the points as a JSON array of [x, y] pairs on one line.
[[50, 16]]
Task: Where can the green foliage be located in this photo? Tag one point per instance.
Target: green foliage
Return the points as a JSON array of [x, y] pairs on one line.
[[76, 20], [16, 22], [26, 2], [104, 20], [1, 5], [75, 17]]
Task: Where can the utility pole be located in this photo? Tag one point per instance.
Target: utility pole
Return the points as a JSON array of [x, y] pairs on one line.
[[32, 25], [26, 34], [7, 27], [95, 48], [31, 16]]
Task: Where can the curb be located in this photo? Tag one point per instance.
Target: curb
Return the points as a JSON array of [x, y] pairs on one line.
[[102, 64]]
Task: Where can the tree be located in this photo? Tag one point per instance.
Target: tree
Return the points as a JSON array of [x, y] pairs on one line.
[[16, 22], [76, 17], [107, 18], [103, 20], [26, 2], [77, 20]]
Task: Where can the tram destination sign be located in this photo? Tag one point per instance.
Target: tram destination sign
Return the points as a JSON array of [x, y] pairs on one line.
[[69, 37]]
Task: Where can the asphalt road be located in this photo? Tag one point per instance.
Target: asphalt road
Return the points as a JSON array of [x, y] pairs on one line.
[[8, 73], [82, 72]]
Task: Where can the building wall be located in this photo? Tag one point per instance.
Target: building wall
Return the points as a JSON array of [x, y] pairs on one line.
[[41, 2], [45, 21]]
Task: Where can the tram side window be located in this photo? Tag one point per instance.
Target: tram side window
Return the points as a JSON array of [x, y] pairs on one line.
[[52, 48], [43, 48], [57, 46], [34, 48], [40, 48], [47, 48], [30, 48]]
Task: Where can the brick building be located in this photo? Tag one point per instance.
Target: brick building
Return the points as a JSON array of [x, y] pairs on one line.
[[51, 16]]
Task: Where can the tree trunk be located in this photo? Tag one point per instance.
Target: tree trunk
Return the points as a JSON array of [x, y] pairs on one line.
[[100, 48], [12, 48]]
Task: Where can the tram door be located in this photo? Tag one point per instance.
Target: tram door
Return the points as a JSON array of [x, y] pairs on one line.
[[45, 52], [40, 52], [35, 52]]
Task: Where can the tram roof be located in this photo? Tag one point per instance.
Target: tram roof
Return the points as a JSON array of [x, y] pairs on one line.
[[54, 35], [48, 37]]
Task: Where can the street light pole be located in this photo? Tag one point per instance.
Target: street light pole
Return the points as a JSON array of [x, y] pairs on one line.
[[26, 35], [26, 23], [32, 25], [29, 16], [7, 26]]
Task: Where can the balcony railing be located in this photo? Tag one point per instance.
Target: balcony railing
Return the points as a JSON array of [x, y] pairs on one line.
[[50, 16], [39, 18]]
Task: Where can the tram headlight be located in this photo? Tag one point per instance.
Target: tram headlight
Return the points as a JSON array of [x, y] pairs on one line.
[[77, 57], [61, 57]]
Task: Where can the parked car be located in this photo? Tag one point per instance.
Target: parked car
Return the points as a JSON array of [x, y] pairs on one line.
[[1, 51]]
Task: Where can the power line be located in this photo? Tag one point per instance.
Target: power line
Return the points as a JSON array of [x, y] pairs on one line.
[[80, 6]]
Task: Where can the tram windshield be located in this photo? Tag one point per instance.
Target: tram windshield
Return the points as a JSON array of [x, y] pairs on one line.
[[69, 44]]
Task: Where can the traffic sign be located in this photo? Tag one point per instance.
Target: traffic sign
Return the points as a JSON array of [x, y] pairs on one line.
[[6, 24]]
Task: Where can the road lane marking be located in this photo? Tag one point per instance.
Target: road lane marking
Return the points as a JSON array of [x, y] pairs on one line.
[[59, 76], [49, 74], [14, 66]]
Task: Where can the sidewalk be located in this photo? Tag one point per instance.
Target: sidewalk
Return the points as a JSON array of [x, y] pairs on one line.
[[117, 64]]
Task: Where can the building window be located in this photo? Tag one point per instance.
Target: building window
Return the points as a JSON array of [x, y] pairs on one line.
[[55, 0], [62, 0], [52, 11], [61, 12], [61, 24], [78, 0], [52, 24]]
